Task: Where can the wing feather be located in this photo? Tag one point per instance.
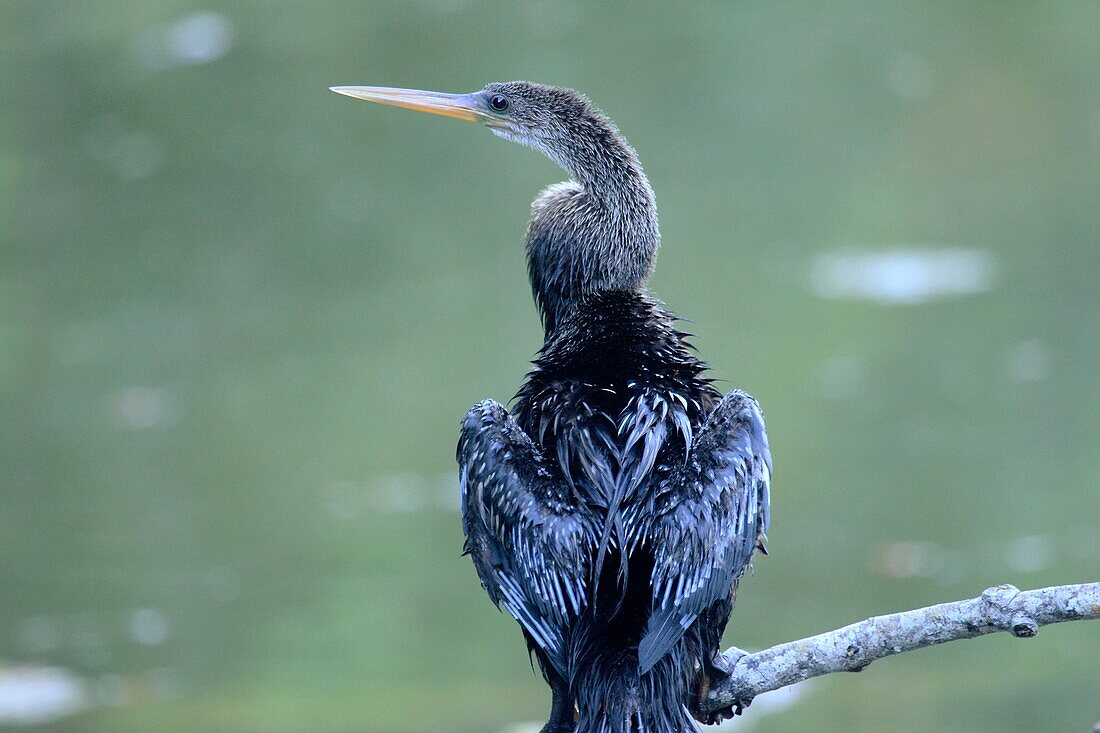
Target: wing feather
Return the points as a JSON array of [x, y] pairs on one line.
[[710, 515], [528, 538]]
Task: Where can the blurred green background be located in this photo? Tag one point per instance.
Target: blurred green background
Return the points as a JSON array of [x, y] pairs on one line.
[[241, 317]]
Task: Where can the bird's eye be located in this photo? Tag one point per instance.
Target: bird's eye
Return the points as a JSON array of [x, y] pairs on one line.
[[498, 102]]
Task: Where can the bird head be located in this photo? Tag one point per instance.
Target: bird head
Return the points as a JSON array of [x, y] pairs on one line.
[[555, 121], [598, 232]]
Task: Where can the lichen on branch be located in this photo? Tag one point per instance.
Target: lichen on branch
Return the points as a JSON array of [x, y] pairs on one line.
[[852, 648]]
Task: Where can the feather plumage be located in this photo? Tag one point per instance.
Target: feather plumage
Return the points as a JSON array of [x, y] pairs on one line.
[[707, 519], [529, 539], [615, 513]]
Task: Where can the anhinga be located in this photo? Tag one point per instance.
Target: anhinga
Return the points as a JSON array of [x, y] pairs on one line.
[[614, 512]]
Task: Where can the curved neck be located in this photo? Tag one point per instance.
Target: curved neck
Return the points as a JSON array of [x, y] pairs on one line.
[[595, 233], [600, 159]]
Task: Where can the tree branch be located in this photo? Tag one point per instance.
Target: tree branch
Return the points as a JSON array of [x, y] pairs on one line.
[[852, 648]]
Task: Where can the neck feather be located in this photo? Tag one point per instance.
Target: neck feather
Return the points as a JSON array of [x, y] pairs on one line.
[[597, 232]]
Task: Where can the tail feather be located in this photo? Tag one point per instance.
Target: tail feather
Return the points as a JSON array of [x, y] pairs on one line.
[[612, 697]]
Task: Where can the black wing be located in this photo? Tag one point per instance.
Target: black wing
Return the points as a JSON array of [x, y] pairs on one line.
[[531, 546], [709, 517]]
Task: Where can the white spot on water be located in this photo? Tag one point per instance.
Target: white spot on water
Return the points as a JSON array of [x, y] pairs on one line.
[[903, 276], [140, 408], [32, 695], [194, 39], [909, 559], [148, 627], [402, 492], [1029, 554]]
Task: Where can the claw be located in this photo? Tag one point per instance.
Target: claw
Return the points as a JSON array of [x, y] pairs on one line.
[[717, 716], [719, 668], [725, 662], [722, 714]]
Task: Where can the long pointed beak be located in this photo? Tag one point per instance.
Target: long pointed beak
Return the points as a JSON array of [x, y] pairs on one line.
[[458, 106]]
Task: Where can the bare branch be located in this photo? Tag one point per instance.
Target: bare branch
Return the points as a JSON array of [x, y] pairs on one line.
[[852, 648]]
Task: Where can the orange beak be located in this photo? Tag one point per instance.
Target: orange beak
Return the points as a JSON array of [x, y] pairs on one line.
[[457, 106]]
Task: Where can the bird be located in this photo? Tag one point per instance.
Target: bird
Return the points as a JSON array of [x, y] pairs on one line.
[[615, 509]]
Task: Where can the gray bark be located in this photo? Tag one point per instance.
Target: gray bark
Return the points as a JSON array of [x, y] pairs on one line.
[[852, 648]]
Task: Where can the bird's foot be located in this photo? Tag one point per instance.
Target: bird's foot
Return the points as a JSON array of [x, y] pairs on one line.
[[714, 717], [714, 674], [725, 662]]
